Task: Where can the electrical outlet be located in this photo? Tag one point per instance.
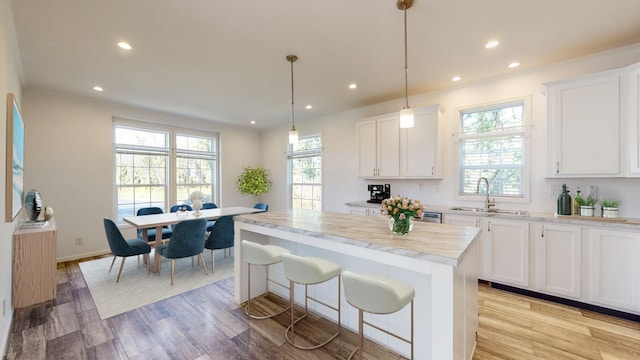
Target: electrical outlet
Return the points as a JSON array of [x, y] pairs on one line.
[[435, 188], [78, 240]]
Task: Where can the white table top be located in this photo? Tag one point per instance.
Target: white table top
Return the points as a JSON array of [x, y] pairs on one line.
[[158, 220]]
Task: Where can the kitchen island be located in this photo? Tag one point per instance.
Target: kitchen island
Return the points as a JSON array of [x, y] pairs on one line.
[[439, 261]]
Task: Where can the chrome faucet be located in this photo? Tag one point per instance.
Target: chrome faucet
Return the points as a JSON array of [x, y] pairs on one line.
[[487, 203]]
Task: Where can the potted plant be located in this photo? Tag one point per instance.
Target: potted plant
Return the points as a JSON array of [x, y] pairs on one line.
[[254, 181], [586, 206], [609, 208]]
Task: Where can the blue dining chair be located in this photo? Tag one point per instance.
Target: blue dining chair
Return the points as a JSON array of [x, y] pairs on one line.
[[261, 206], [124, 248], [220, 237], [209, 205], [151, 232], [187, 240]]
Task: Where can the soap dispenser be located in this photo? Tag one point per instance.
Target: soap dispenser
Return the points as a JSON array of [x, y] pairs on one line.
[[564, 202]]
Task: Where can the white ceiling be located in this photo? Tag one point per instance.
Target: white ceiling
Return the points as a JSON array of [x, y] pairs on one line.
[[224, 60]]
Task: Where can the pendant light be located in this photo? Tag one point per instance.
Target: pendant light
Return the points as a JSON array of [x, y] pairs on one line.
[[293, 133], [406, 114]]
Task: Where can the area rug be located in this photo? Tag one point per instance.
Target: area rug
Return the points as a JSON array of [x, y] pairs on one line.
[[137, 289]]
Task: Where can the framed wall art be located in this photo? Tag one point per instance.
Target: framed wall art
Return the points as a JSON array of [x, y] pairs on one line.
[[15, 159]]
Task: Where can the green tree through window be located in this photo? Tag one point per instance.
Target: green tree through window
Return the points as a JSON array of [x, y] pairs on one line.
[[305, 173]]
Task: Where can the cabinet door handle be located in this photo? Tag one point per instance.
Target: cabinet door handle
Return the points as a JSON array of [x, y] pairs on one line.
[[542, 231], [433, 170], [488, 225], [557, 167], [374, 171]]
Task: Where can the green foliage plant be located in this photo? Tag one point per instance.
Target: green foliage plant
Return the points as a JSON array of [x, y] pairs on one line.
[[609, 203], [253, 181], [589, 201]]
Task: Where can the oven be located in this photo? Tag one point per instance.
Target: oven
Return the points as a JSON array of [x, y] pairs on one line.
[[432, 217]]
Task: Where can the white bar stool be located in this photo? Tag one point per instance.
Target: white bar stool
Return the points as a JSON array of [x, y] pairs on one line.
[[376, 295], [309, 271], [261, 255]]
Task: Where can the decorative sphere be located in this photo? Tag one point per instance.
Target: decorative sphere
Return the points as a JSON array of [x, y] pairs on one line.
[[48, 213], [33, 204]]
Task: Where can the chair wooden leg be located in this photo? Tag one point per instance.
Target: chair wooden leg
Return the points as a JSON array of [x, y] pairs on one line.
[[121, 266], [213, 263], [147, 260], [204, 264], [172, 268], [114, 260]]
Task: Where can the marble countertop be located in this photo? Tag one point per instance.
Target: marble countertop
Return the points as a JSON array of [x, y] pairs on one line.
[[613, 223], [440, 243]]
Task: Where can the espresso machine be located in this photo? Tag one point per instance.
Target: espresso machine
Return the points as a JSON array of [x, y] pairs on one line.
[[379, 193]]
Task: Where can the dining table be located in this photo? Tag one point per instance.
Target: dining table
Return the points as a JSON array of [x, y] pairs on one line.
[[158, 221]]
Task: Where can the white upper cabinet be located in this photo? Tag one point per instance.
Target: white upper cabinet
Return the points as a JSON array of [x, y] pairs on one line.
[[584, 124], [386, 151], [419, 144], [379, 146], [632, 111]]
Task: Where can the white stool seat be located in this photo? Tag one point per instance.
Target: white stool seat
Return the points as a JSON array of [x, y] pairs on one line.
[[258, 254], [376, 294], [309, 271], [261, 255]]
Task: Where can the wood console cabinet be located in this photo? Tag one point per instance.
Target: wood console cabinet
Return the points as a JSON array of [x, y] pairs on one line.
[[34, 266]]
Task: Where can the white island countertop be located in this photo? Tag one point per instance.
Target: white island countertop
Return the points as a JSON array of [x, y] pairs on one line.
[[439, 243]]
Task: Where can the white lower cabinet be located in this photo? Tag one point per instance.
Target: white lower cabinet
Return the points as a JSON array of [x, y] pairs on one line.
[[505, 253], [461, 220], [358, 210], [558, 254], [615, 269]]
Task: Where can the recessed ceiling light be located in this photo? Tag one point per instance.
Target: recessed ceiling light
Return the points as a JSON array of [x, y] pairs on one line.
[[491, 44], [252, 122], [353, 86], [514, 64], [456, 78], [98, 88], [124, 45], [308, 107]]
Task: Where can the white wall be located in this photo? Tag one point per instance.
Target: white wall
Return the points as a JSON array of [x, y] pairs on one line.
[[69, 159], [340, 150], [9, 82]]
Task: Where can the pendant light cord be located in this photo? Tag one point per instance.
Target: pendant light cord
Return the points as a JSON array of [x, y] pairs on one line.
[[406, 86], [293, 122]]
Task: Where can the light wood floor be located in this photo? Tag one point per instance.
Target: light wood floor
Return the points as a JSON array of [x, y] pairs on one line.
[[206, 324]]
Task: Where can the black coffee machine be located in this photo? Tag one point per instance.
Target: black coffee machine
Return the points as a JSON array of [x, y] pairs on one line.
[[379, 193]]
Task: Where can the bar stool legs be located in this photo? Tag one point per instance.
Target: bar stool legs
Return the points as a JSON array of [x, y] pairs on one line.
[[377, 295], [309, 271], [261, 255]]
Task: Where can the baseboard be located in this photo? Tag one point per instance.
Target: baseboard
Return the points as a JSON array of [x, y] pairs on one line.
[[559, 300], [83, 256]]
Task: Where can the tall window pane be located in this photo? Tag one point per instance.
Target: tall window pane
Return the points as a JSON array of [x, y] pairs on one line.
[[141, 169], [195, 167], [305, 164], [492, 145]]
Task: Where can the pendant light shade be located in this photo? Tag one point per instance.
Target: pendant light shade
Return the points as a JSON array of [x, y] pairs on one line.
[[293, 133], [406, 114]]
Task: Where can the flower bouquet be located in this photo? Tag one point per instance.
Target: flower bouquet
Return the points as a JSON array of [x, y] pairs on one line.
[[400, 210]]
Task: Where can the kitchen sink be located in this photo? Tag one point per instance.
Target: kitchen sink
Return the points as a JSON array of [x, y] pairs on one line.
[[491, 211]]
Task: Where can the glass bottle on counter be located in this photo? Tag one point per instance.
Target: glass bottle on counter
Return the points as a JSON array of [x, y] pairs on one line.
[[564, 202], [577, 201]]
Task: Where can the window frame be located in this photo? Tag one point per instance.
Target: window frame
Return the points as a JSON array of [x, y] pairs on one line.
[[172, 132], [307, 153], [525, 100]]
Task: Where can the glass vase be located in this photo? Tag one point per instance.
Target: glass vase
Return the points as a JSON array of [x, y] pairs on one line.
[[401, 226]]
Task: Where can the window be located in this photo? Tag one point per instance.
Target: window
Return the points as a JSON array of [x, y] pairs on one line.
[[305, 173], [492, 145], [161, 167]]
